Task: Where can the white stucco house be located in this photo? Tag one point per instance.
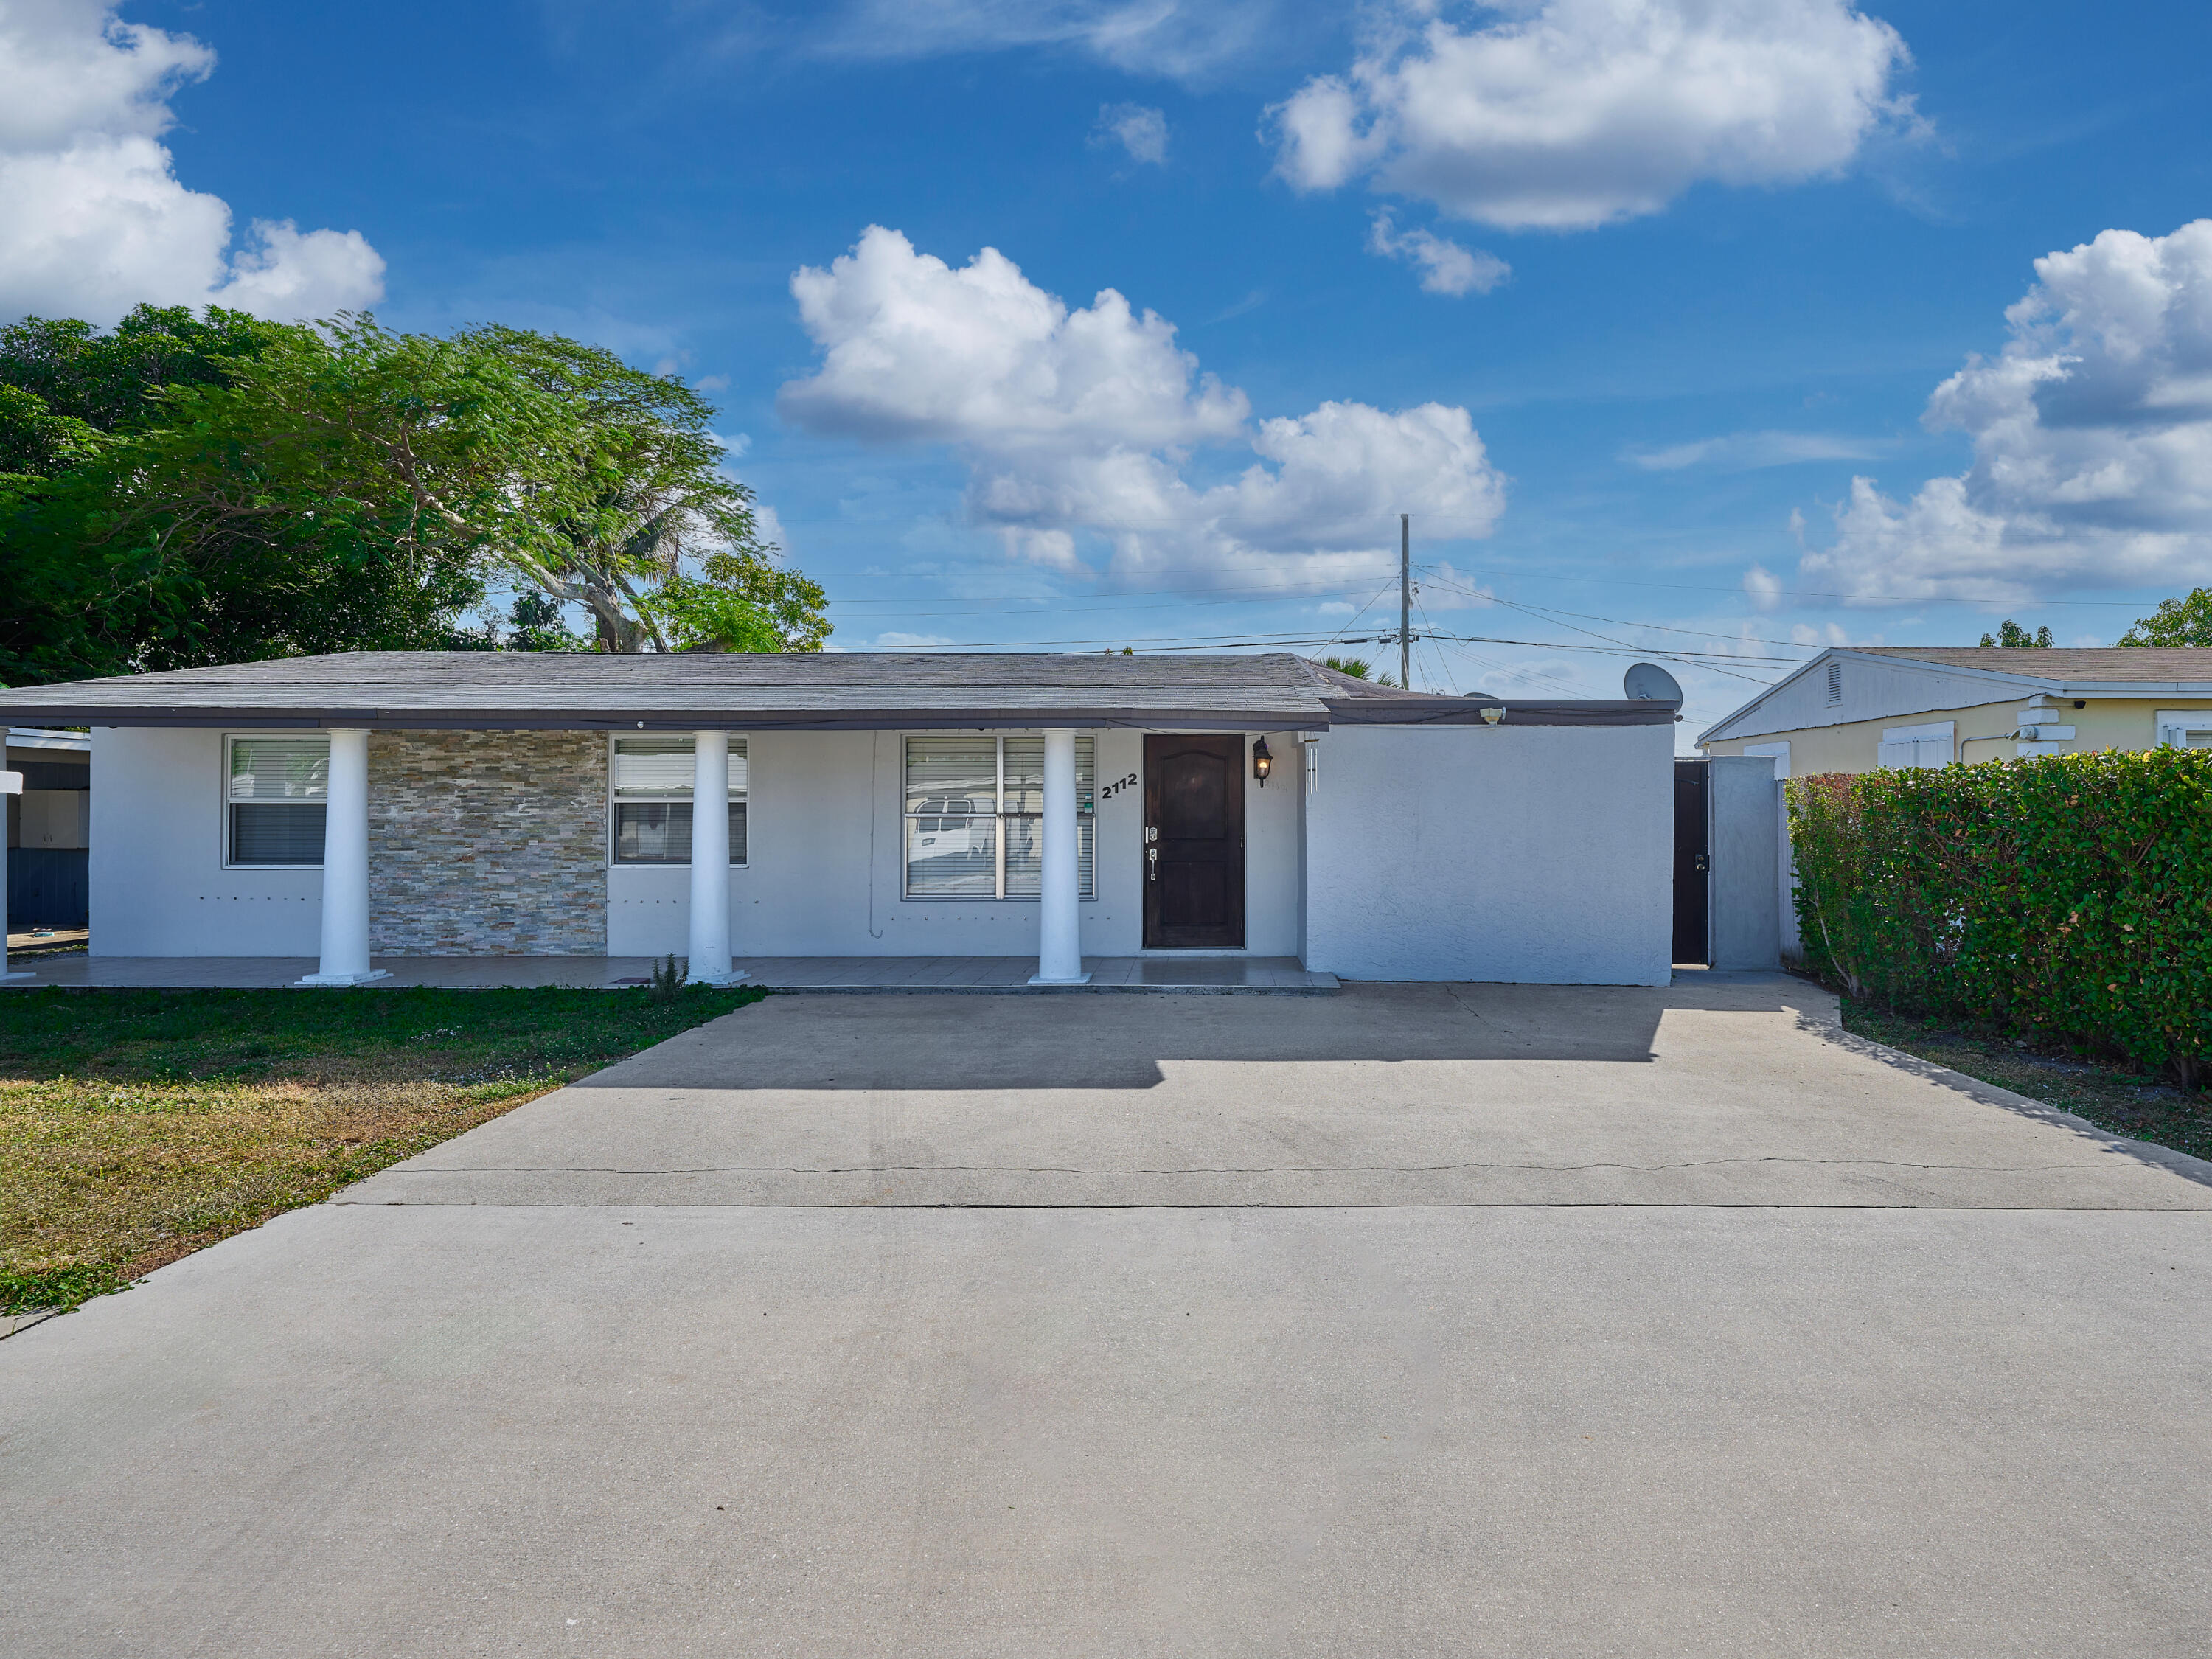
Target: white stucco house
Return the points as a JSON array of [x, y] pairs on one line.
[[1061, 806]]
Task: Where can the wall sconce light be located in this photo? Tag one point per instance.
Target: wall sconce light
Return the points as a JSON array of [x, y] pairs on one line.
[[1262, 762], [1491, 716]]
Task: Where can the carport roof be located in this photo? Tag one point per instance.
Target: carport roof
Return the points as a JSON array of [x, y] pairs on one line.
[[820, 691]]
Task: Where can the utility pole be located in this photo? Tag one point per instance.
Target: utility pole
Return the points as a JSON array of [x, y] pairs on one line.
[[1406, 600]]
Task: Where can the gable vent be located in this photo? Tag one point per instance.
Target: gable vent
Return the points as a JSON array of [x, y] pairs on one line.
[[1835, 683]]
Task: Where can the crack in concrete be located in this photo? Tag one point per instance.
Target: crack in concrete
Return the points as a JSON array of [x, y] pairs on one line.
[[1235, 1170]]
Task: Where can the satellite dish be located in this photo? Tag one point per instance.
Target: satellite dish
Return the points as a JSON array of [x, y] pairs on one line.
[[1647, 682]]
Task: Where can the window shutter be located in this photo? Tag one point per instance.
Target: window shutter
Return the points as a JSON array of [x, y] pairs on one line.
[[1895, 752], [951, 775], [1024, 775], [657, 767], [280, 768]]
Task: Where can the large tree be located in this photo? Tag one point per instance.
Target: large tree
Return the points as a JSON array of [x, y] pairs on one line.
[[109, 381], [644, 493], [2185, 620], [343, 486]]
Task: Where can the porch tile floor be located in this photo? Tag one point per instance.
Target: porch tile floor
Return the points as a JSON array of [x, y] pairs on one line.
[[991, 975]]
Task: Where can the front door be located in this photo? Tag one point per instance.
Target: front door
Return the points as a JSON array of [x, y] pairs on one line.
[[1194, 840]]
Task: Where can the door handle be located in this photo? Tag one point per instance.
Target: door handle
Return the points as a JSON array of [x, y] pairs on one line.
[[1152, 863]]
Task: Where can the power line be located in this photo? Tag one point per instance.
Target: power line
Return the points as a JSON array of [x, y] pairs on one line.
[[1624, 621], [1283, 641]]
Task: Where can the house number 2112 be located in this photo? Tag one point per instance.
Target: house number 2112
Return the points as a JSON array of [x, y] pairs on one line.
[[1114, 789]]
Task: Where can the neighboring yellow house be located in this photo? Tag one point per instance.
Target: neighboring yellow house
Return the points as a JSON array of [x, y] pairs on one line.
[[1857, 709]]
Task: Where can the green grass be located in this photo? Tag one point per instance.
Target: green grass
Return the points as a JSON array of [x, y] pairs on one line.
[[2113, 1098], [138, 1125]]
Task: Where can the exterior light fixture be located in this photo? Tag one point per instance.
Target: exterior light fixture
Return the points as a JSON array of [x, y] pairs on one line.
[[1493, 715], [1262, 762]]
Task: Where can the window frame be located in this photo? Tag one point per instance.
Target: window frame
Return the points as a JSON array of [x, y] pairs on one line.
[[1086, 810], [738, 741], [2166, 720], [227, 838], [1927, 732]]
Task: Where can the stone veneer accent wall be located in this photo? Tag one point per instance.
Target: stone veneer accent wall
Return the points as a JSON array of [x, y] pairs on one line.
[[488, 844]]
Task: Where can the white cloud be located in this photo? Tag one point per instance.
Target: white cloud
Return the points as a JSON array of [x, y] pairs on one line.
[[768, 526], [1183, 40], [1447, 589], [2092, 433], [1564, 114], [1141, 131], [1078, 427], [1747, 452], [896, 640], [1763, 587], [93, 219], [1446, 267]]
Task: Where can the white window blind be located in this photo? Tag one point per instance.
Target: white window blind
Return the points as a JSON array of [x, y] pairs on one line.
[[975, 816], [276, 792], [651, 779]]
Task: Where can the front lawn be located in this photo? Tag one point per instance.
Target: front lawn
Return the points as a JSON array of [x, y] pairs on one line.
[[136, 1127], [2113, 1098]]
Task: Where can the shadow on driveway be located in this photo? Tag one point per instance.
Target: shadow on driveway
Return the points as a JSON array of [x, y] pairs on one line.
[[933, 1043]]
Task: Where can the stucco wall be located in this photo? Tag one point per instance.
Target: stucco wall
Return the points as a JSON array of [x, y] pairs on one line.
[[1533, 853], [488, 844], [1850, 745], [496, 842], [823, 876], [1744, 889], [158, 885], [479, 843]]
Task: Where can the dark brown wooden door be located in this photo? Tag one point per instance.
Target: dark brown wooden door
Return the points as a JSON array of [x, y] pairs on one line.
[[1693, 859], [1194, 841]]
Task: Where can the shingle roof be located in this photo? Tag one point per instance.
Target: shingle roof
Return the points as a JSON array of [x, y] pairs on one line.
[[1259, 691], [2164, 668]]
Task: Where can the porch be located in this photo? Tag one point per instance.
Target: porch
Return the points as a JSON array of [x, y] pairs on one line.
[[1225, 975]]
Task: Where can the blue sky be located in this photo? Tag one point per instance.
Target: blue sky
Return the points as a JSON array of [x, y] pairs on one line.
[[1745, 244]]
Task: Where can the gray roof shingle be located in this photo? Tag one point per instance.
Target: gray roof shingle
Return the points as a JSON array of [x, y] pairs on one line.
[[2155, 667], [826, 690]]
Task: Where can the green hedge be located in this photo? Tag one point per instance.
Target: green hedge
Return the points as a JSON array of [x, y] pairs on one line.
[[2069, 896]]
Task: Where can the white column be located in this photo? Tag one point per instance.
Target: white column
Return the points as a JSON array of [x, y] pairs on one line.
[[11, 783], [345, 866], [710, 861], [1060, 925]]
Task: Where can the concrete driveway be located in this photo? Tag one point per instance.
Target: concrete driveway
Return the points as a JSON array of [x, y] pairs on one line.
[[1426, 1320]]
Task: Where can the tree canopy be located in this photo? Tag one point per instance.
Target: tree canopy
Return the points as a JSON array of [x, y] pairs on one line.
[[2010, 633], [2186, 620], [184, 491], [1358, 667]]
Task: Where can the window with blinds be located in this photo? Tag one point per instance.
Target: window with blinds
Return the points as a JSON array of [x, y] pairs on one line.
[[650, 791], [975, 816], [276, 800]]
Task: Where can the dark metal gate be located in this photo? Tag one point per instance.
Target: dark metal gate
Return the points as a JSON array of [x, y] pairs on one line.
[[1693, 860]]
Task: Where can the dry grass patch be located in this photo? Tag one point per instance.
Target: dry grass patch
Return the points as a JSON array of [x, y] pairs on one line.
[[136, 1127]]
